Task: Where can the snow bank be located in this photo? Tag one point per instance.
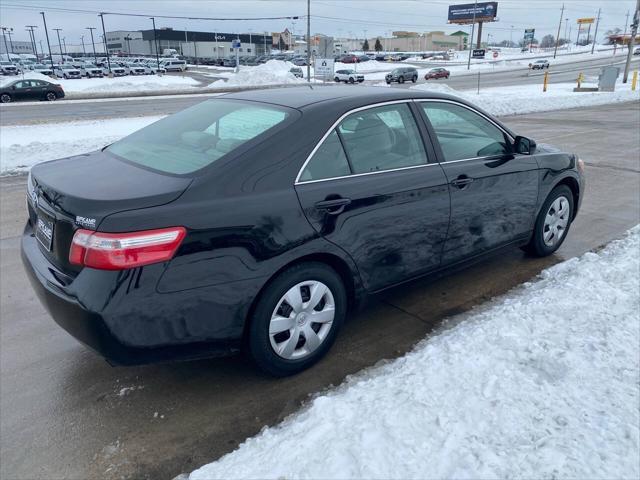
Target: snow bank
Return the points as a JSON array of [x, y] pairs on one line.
[[274, 72], [23, 146], [543, 383], [137, 83], [530, 98]]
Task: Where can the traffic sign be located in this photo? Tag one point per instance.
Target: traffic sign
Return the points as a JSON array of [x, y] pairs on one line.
[[323, 68], [235, 43], [495, 54], [478, 53]]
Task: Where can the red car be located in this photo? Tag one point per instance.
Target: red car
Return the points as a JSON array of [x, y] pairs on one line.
[[350, 59], [437, 73]]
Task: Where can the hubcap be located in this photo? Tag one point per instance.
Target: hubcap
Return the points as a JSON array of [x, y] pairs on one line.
[[556, 221], [301, 320]]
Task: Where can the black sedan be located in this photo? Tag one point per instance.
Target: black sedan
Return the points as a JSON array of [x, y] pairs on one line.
[[258, 220], [30, 90]]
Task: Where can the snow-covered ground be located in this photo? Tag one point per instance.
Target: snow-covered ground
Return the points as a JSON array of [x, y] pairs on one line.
[[22, 146], [542, 383], [137, 83], [530, 98], [274, 72]]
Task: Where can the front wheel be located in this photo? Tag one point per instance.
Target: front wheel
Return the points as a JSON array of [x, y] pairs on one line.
[[351, 80], [401, 80], [51, 96], [414, 79], [337, 80], [297, 319], [553, 222], [5, 98]]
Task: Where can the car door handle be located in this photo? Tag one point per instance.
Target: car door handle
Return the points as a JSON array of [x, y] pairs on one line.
[[333, 206], [462, 181]]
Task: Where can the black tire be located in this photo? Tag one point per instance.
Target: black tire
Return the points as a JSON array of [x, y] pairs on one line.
[[388, 82], [259, 343], [536, 245], [414, 79], [5, 98], [351, 80], [51, 97], [400, 79], [337, 80]]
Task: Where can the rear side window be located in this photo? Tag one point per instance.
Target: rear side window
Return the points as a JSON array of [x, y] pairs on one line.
[[329, 161], [196, 137]]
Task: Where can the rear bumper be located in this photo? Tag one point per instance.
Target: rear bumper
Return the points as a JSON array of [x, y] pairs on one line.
[[131, 325]]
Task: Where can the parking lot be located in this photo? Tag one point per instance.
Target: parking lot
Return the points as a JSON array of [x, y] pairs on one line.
[[68, 414]]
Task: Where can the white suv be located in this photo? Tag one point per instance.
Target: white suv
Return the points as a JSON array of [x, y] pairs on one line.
[[175, 65], [348, 76]]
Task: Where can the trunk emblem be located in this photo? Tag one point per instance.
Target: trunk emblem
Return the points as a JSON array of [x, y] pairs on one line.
[[86, 222]]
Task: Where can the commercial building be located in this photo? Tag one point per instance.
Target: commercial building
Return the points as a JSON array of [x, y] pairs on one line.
[[408, 42], [186, 42], [18, 47]]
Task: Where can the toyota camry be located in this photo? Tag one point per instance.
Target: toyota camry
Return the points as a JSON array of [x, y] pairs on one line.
[[258, 221]]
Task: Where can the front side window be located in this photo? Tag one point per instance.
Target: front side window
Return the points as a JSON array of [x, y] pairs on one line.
[[382, 138], [196, 137], [464, 134]]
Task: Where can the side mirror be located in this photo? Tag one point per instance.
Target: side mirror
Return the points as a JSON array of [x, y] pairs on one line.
[[13, 87], [524, 145]]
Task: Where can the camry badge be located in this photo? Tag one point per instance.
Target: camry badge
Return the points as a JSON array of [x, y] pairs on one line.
[[86, 222]]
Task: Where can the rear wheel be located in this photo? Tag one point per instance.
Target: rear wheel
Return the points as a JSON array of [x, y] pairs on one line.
[[553, 222], [401, 80], [337, 80], [5, 98], [297, 318], [414, 79], [51, 96], [351, 80]]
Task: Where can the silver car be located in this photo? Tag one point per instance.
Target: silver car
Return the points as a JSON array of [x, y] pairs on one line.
[[8, 68], [66, 71], [89, 70]]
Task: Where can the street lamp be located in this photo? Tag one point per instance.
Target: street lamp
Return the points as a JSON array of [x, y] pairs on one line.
[[57, 30], [128, 39], [93, 44], [84, 52]]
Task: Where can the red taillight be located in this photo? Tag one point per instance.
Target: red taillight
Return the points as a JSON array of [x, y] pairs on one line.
[[118, 251]]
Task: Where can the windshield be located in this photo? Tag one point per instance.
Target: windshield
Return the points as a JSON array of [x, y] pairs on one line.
[[196, 137]]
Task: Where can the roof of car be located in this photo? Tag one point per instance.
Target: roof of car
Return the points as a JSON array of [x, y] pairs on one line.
[[299, 97]]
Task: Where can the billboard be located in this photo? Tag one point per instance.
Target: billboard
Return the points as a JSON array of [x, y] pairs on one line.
[[583, 21], [478, 53], [484, 12]]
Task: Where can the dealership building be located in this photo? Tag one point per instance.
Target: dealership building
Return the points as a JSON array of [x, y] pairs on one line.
[[186, 42]]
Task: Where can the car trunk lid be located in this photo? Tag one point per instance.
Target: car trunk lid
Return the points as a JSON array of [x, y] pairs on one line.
[[79, 192]]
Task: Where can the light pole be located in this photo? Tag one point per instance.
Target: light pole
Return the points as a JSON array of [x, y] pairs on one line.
[[33, 37], [6, 46], [128, 39], [9, 32], [634, 32], [566, 26], [155, 43], [104, 41], [511, 37], [44, 20], [57, 30], [84, 51], [93, 44], [64, 44]]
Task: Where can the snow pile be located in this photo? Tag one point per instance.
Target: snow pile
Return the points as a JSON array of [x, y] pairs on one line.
[[274, 72], [23, 146], [530, 98], [544, 383], [136, 83]]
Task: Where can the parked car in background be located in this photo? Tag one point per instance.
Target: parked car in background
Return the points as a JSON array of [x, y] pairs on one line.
[[539, 65], [300, 61], [402, 75], [89, 70], [67, 71], [436, 73], [229, 62], [173, 65], [636, 51], [133, 248], [380, 57], [42, 68], [349, 59], [348, 76], [363, 58], [30, 90], [117, 70], [138, 69], [9, 68], [297, 72]]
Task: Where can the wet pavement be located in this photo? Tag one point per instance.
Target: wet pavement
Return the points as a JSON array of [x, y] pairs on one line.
[[65, 413]]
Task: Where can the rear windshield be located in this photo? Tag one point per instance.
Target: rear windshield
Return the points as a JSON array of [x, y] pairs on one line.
[[196, 137]]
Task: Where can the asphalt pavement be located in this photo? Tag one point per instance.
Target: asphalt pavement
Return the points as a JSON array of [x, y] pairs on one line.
[[42, 112], [65, 413]]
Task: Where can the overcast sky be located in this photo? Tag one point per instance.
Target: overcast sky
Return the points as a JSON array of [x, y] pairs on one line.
[[345, 17]]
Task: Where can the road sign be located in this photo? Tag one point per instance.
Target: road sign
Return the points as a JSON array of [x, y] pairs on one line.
[[495, 54], [325, 47], [323, 68], [583, 21], [478, 53], [235, 43], [529, 33]]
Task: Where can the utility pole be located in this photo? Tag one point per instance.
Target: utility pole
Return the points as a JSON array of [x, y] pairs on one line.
[[309, 41], [104, 41], [84, 51], [93, 44], [9, 32], [6, 46], [44, 20], [473, 29], [595, 35], [566, 26], [555, 50], [64, 44], [634, 32], [511, 37], [128, 39], [155, 43], [57, 30], [33, 37]]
